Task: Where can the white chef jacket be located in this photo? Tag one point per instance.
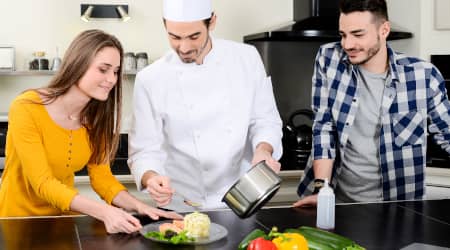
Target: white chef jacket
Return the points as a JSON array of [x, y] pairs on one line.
[[199, 124]]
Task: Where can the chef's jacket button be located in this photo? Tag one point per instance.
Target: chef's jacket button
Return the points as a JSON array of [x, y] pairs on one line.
[[354, 99], [346, 124]]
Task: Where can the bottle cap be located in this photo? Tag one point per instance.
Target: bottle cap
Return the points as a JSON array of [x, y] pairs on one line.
[[326, 189]]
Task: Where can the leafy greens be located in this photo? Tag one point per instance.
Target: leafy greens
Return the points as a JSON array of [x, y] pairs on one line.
[[181, 237]]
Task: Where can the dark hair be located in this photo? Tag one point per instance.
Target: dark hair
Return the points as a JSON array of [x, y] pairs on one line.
[[101, 118], [377, 7], [207, 21]]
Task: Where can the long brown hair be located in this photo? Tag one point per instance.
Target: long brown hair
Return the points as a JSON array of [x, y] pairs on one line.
[[101, 118]]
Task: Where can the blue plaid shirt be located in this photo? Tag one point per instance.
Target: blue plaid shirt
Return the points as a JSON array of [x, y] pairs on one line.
[[415, 99]]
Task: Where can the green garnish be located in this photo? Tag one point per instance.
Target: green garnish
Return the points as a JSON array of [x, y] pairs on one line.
[[182, 237]]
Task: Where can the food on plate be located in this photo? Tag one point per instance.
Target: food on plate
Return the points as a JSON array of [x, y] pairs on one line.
[[194, 228], [297, 238], [197, 224], [179, 224], [163, 228]]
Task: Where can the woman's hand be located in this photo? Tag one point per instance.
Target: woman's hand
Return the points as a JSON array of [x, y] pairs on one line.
[[155, 213], [117, 220]]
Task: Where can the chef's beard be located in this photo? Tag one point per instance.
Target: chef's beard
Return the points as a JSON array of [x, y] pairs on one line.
[[371, 52], [194, 52]]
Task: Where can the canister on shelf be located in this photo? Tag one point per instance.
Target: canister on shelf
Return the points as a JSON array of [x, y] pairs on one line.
[[39, 62], [142, 60], [129, 61]]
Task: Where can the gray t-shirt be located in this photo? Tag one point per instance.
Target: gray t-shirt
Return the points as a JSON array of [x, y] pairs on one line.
[[360, 176]]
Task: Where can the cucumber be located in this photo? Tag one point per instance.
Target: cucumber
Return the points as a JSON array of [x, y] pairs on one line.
[[335, 240]]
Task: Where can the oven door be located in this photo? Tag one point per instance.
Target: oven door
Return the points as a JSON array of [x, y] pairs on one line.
[[3, 131]]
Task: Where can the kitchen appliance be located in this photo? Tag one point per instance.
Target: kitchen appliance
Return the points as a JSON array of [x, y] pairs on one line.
[[297, 140], [320, 24], [252, 190], [436, 156], [289, 53], [3, 131], [290, 65]]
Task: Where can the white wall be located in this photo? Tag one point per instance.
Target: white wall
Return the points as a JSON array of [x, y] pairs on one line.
[[405, 15], [432, 41], [43, 25], [32, 25]]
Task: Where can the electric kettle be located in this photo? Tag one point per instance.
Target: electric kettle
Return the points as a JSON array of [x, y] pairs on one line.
[[297, 139]]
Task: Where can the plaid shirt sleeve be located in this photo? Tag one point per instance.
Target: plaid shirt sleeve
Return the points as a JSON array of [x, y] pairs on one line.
[[439, 110], [323, 127]]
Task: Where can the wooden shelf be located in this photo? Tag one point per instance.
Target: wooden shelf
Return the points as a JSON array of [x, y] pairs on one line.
[[27, 73]]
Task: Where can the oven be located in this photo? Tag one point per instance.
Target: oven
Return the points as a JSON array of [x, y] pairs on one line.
[[436, 156], [3, 131]]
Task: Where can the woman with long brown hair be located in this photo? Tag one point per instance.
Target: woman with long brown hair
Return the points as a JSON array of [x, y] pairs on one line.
[[57, 130]]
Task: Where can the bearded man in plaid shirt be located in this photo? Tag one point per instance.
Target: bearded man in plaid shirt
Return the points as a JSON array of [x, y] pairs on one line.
[[372, 109]]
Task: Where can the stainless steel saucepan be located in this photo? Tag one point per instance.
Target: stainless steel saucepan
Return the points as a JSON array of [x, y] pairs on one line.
[[252, 190]]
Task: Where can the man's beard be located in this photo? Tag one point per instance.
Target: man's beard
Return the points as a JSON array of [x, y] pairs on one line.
[[195, 53], [371, 52]]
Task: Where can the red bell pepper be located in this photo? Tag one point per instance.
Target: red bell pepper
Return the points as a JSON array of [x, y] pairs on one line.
[[261, 244]]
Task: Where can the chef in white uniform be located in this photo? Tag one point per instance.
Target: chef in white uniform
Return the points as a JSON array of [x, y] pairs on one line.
[[203, 114]]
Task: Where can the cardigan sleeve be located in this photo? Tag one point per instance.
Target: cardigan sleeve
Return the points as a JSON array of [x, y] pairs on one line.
[[27, 138], [103, 182]]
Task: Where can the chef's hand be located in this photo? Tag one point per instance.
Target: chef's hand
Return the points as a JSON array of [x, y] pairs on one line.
[[159, 188], [307, 201], [155, 213], [263, 152], [117, 220]]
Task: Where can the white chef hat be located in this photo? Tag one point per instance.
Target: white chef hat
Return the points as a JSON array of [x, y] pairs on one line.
[[186, 10]]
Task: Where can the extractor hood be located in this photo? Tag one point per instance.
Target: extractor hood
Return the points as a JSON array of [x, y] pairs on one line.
[[321, 25]]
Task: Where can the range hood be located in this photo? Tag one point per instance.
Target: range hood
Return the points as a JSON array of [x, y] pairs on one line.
[[321, 25]]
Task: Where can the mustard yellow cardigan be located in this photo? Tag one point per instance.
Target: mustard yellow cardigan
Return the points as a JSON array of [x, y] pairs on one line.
[[41, 159]]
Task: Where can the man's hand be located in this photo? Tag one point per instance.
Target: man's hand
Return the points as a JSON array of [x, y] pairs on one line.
[[156, 213], [307, 201], [263, 152], [159, 188]]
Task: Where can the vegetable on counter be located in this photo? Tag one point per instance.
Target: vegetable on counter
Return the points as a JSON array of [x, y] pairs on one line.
[[290, 241], [261, 244], [301, 238], [323, 240], [257, 233]]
